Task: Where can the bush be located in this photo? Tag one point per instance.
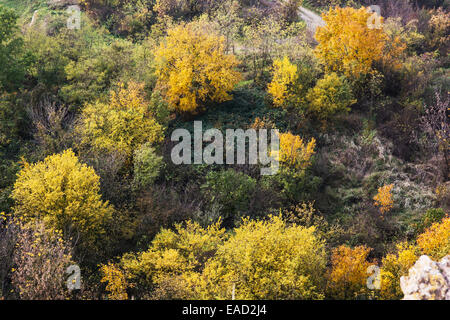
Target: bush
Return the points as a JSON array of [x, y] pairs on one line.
[[63, 193], [266, 260], [348, 275], [231, 190], [331, 95], [121, 125], [40, 261], [147, 166]]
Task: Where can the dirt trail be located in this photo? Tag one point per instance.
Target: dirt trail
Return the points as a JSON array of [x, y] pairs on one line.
[[312, 19]]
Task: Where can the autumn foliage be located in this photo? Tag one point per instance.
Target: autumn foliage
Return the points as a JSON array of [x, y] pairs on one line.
[[123, 123], [296, 152], [383, 199], [193, 68], [63, 193], [348, 275], [348, 46], [284, 83]]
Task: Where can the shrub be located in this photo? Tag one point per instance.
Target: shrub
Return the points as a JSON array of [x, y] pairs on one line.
[[330, 96], [121, 125], [147, 166], [40, 261], [348, 275], [435, 241], [348, 46], [295, 152], [394, 266], [266, 260], [284, 86], [64, 193], [231, 190]]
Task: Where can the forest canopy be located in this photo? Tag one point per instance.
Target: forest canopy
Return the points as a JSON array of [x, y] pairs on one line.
[[92, 96]]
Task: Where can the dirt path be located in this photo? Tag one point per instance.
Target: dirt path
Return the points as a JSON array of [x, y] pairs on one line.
[[312, 19]]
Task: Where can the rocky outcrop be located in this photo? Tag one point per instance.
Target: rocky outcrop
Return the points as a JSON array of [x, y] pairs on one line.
[[427, 280]]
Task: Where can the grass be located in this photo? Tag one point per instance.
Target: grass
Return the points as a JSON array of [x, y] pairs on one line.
[[25, 8]]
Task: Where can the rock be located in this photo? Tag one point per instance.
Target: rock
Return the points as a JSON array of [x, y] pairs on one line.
[[427, 280]]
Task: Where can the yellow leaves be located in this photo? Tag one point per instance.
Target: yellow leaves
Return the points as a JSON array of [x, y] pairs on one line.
[[394, 266], [347, 45], [435, 241], [193, 69], [295, 152], [384, 199], [122, 124], [62, 192], [116, 282], [331, 95], [175, 253], [348, 274], [267, 260], [284, 78]]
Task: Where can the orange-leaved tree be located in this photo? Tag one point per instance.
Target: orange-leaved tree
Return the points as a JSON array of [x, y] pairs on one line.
[[383, 198], [348, 275]]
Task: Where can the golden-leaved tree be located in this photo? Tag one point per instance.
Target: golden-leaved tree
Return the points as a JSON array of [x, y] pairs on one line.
[[122, 124], [266, 259], [396, 265], [383, 199], [193, 68], [296, 152], [64, 194], [434, 242], [284, 87], [348, 274], [347, 44]]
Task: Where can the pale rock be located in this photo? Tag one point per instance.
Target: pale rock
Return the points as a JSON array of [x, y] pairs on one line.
[[427, 280]]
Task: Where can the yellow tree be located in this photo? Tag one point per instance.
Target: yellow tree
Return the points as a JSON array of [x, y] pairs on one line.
[[63, 193], [295, 152], [283, 87], [193, 68], [115, 280], [348, 45], [348, 275], [266, 260], [330, 96], [383, 198], [394, 266], [435, 241], [172, 257], [123, 123]]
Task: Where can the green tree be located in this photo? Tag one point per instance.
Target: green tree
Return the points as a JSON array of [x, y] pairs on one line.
[[13, 60], [229, 189], [147, 166]]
